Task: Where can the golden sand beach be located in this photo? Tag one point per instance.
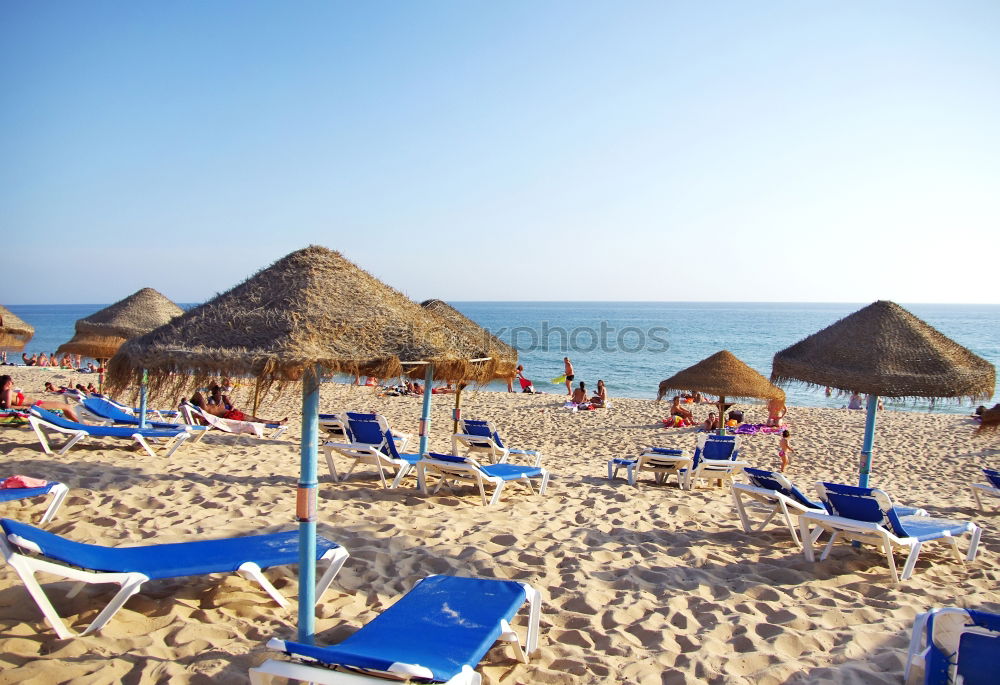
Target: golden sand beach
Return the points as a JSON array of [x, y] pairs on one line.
[[647, 584]]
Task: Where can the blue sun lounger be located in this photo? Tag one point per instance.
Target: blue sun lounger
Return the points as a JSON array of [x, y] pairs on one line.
[[990, 488], [104, 409], [451, 468], [371, 443], [56, 490], [481, 436], [31, 550], [437, 632], [867, 515], [954, 645], [774, 490], [42, 420]]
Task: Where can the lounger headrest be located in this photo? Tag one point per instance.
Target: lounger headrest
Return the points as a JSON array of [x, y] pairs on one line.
[[447, 457]]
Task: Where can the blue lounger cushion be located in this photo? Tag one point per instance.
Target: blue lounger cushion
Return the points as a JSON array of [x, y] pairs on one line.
[[924, 528], [106, 410], [171, 560], [105, 431], [11, 494], [442, 624], [502, 471]]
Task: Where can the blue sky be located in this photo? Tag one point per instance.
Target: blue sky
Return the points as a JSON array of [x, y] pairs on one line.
[[519, 150]]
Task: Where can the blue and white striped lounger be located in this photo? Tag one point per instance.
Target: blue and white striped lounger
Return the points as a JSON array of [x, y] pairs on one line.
[[437, 632], [450, 469], [31, 550], [867, 515], [56, 490], [43, 420]]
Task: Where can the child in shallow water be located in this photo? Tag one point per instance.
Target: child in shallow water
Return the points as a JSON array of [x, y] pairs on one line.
[[784, 449]]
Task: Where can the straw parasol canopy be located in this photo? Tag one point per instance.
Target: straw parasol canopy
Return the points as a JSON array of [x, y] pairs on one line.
[[724, 375], [312, 308], [494, 347], [14, 333], [885, 350], [102, 333]]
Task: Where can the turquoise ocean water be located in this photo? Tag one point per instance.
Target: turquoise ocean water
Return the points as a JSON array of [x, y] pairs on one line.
[[632, 346]]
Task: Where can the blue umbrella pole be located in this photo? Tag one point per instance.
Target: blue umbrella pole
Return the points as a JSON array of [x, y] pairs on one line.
[[866, 447], [425, 416], [305, 507], [142, 400]]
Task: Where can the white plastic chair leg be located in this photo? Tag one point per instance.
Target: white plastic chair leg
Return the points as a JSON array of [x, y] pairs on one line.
[[829, 545], [252, 571], [129, 588], [741, 510], [545, 482], [58, 493], [336, 558], [974, 543], [807, 539], [400, 474], [496, 493], [911, 560], [77, 436], [328, 453]]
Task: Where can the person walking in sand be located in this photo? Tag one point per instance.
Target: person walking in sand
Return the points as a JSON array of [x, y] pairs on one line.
[[784, 450], [569, 376]]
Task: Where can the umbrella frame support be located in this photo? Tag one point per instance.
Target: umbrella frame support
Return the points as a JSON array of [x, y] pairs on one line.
[[305, 506], [869, 441]]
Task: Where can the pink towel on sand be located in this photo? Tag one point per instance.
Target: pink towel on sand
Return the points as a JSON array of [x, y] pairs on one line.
[[22, 482]]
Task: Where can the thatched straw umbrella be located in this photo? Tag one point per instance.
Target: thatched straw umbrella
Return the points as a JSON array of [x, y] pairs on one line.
[[14, 333], [884, 350], [102, 333], [724, 375], [495, 348], [310, 314]]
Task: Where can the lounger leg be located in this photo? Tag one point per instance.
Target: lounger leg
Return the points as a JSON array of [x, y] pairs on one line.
[[975, 493], [911, 560], [496, 493], [612, 471], [351, 469], [829, 545], [129, 588], [145, 445], [974, 544], [336, 557], [27, 575], [77, 437], [401, 473], [58, 493], [329, 462], [176, 442], [788, 521], [545, 482], [744, 519], [807, 539], [251, 570], [43, 439]]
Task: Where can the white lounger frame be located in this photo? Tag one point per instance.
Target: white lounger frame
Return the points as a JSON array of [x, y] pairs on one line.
[[987, 489], [27, 566], [470, 472], [489, 447], [778, 502], [324, 675], [363, 453], [873, 534], [40, 425]]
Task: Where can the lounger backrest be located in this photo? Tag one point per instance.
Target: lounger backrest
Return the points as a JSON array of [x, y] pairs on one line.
[[994, 477], [771, 480], [107, 410], [870, 505], [366, 431], [974, 646], [481, 429]]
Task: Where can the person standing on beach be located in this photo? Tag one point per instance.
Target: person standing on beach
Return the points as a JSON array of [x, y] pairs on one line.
[[784, 449], [569, 376]]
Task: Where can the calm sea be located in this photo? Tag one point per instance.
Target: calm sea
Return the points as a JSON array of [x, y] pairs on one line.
[[632, 346]]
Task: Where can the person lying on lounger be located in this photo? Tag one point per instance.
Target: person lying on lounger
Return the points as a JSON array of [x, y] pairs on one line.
[[199, 401], [16, 400]]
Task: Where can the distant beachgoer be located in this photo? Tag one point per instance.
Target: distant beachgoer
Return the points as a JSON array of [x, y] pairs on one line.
[[736, 415], [677, 410], [11, 400], [776, 411], [828, 391], [199, 401], [517, 374], [91, 388], [215, 397], [28, 361], [580, 394], [784, 450], [600, 398], [854, 402], [569, 375], [868, 399], [711, 423]]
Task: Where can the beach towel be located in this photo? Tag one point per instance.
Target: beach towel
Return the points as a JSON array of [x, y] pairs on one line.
[[22, 482]]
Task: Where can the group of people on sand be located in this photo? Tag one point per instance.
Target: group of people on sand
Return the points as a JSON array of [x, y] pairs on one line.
[[13, 398]]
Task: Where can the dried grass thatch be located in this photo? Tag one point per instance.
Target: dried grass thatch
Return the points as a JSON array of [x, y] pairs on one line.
[[724, 375], [14, 332], [102, 333], [310, 309], [885, 350], [504, 354]]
